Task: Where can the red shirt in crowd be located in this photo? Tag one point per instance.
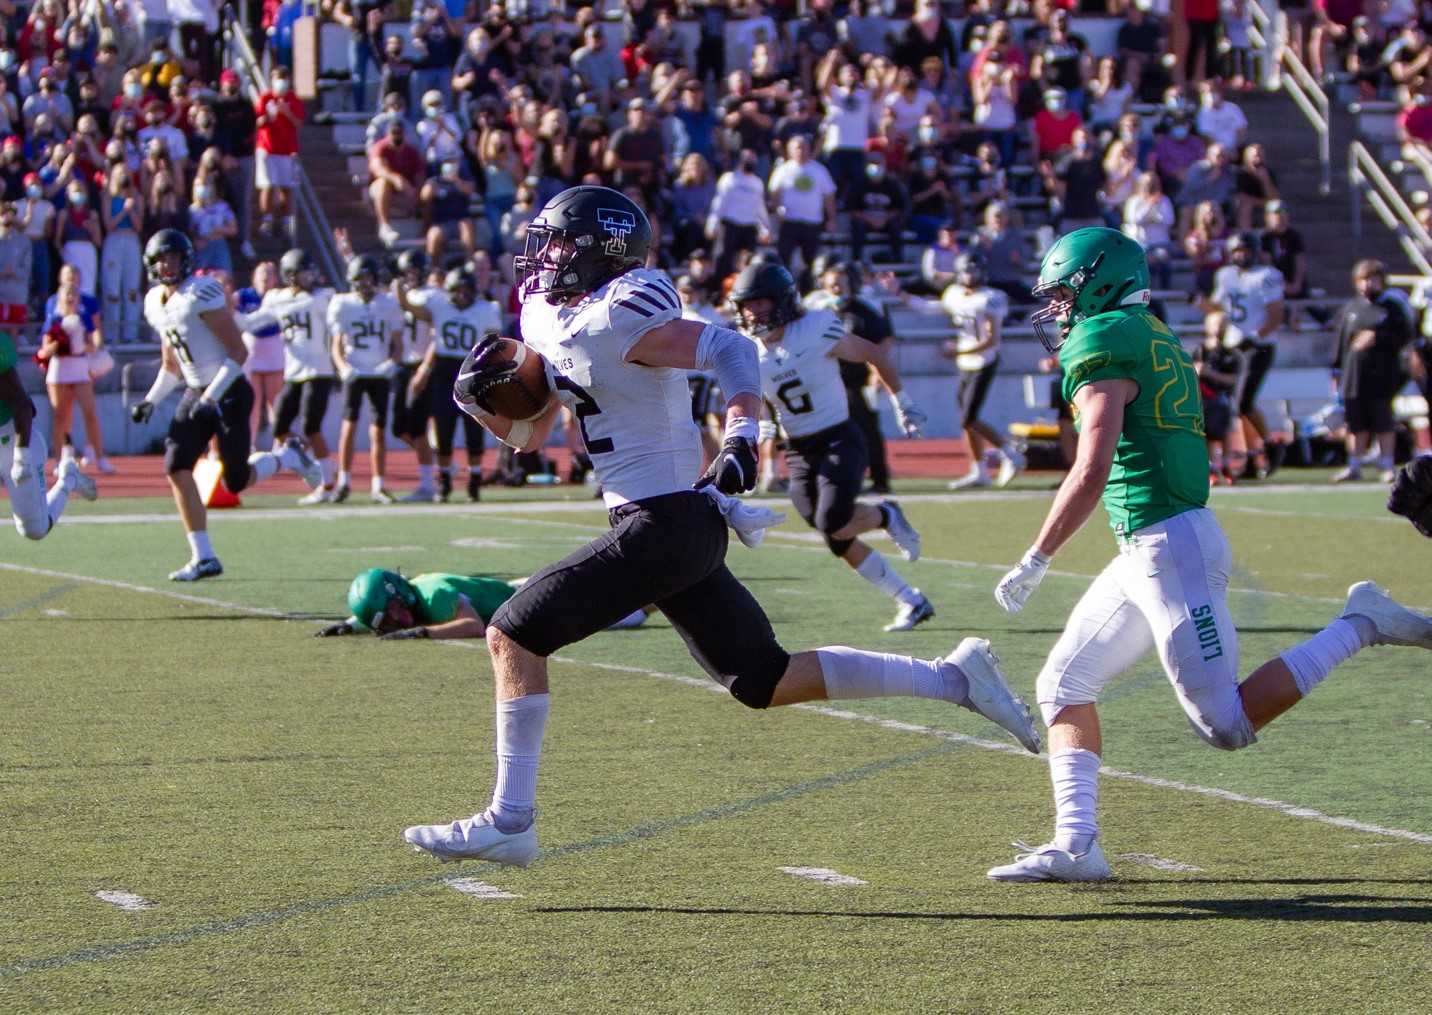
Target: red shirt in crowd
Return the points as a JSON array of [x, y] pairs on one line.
[[1417, 122], [403, 159], [1341, 12], [278, 134], [1200, 10], [1055, 130]]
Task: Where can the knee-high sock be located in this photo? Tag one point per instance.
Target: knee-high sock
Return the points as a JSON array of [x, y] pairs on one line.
[[58, 497], [520, 724], [262, 465], [1075, 775], [855, 673], [1312, 661], [885, 578]]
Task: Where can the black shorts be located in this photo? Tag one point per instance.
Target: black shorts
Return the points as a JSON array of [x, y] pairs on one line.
[[974, 388], [375, 389], [1260, 361], [1217, 415], [703, 397], [308, 399], [1369, 415], [446, 415], [827, 471], [670, 551], [410, 414], [190, 432]]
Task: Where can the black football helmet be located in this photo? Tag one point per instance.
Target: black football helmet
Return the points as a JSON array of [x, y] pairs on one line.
[[461, 286], [160, 246], [365, 272], [764, 281], [970, 270], [294, 266], [581, 239], [413, 261], [1242, 243]]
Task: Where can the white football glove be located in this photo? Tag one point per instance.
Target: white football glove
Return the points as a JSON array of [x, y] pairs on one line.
[[766, 431], [20, 469], [908, 415], [1015, 588]]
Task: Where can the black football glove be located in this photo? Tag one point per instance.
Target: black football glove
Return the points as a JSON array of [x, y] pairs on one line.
[[478, 373], [733, 471], [141, 411], [334, 630], [407, 634], [1411, 494]]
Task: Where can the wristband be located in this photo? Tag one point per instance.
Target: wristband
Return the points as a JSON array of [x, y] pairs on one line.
[[904, 399], [744, 427], [1038, 559], [229, 372]]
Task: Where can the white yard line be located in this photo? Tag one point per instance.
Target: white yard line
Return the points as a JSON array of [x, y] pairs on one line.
[[1158, 863], [124, 900], [480, 889], [824, 875], [1286, 809]]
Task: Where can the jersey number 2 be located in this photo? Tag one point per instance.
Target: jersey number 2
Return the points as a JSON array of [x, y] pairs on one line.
[[586, 406], [1176, 404]]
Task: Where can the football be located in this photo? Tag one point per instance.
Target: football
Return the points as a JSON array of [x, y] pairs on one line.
[[527, 391]]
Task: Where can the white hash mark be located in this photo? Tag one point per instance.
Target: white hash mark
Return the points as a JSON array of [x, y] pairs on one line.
[[124, 900], [1159, 863], [480, 889], [824, 875]]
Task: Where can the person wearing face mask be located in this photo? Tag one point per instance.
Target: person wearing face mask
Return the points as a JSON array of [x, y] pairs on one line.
[[439, 136], [738, 220], [236, 126], [48, 100], [156, 128], [1075, 180], [846, 126], [933, 201], [159, 72], [77, 235], [278, 114], [34, 213], [878, 204], [122, 211], [909, 102], [444, 203], [802, 194], [1055, 124], [1175, 153], [1373, 327], [211, 225]]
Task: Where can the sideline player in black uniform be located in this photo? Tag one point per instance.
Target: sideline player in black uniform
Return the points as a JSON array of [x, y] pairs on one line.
[[412, 406], [841, 282], [612, 334], [203, 352]]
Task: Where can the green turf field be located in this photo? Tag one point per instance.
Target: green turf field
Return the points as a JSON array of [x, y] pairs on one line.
[[196, 747]]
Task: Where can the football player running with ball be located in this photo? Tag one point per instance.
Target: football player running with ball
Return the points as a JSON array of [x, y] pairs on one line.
[[1141, 447], [618, 353], [436, 605], [202, 351], [23, 454], [799, 352]]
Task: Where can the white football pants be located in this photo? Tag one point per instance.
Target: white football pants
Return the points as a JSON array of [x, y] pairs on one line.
[[1166, 590], [29, 501]]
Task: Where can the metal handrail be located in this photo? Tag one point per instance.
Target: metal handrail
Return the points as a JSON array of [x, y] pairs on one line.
[[1270, 33], [1366, 179], [307, 205]]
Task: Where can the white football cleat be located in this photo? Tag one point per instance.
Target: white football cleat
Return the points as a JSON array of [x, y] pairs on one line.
[[1395, 623], [196, 570], [475, 838], [295, 455], [969, 481], [1050, 863], [69, 471], [318, 495], [911, 614], [989, 694], [382, 496], [1011, 464], [901, 531]]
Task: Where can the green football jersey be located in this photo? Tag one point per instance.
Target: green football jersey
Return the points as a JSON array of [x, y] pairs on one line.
[[438, 596], [1161, 461], [7, 362]]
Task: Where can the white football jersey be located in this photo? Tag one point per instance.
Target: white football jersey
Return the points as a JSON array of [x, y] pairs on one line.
[[367, 330], [179, 324], [417, 334], [635, 420], [800, 375], [968, 310], [1245, 296], [456, 331], [303, 318]]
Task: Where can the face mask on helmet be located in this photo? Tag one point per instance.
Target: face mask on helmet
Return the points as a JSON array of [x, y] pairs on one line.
[[1058, 310], [757, 316], [463, 295]]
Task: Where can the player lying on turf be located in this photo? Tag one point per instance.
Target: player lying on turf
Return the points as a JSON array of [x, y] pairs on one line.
[[23, 454], [799, 352], [1411, 495], [202, 351], [617, 351], [434, 605], [1141, 446]]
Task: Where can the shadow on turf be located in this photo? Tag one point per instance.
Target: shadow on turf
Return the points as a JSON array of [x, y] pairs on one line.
[[1317, 908]]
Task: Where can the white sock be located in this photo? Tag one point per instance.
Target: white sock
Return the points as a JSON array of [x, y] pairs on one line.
[[1075, 774], [425, 476], [264, 464], [520, 724], [884, 577], [376, 484], [199, 545], [1312, 661], [342, 477], [855, 673], [59, 496], [328, 468]]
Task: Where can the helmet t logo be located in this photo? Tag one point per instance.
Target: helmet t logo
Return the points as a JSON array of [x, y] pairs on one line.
[[618, 224]]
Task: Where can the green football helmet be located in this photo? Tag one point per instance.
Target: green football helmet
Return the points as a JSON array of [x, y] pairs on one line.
[[382, 600], [1088, 272]]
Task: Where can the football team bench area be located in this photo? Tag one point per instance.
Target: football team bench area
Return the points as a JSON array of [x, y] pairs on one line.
[[203, 803]]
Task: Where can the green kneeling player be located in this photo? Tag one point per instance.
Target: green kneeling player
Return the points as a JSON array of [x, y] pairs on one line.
[[436, 605]]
